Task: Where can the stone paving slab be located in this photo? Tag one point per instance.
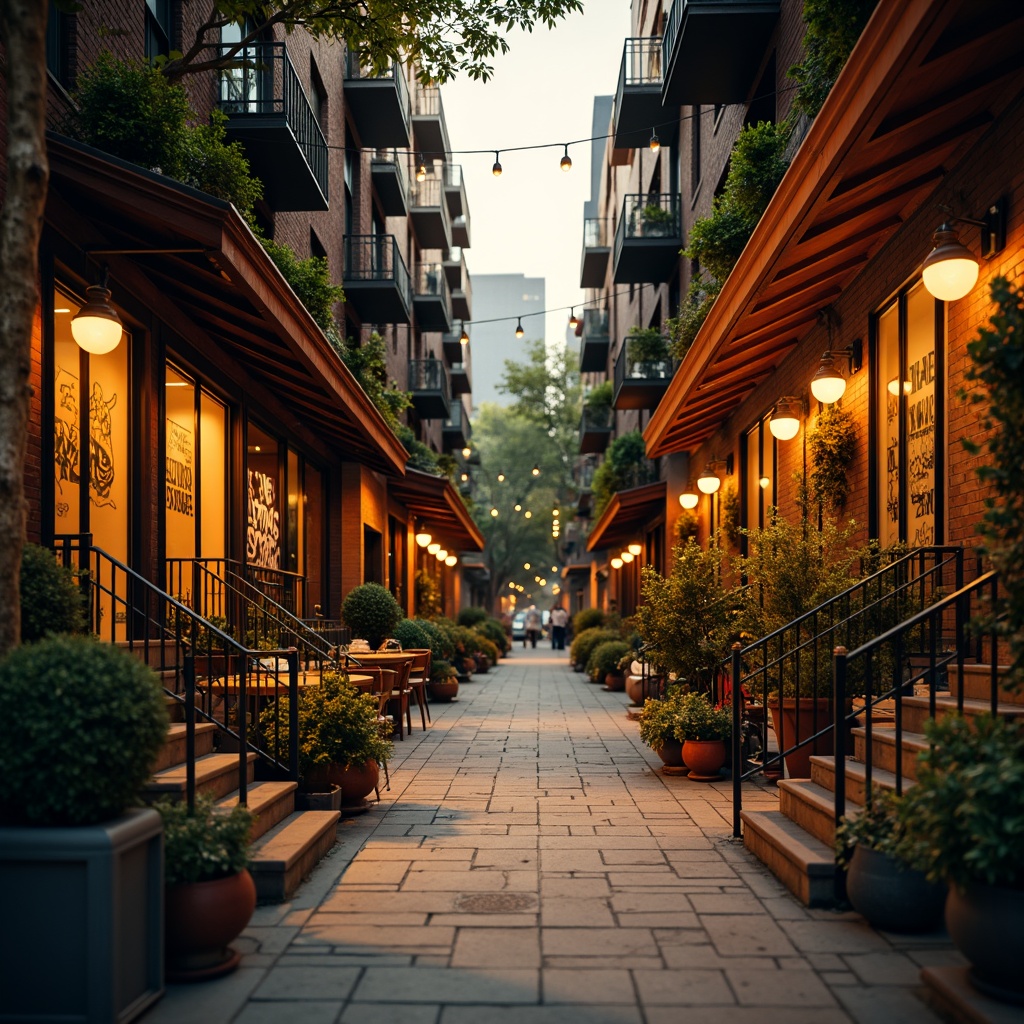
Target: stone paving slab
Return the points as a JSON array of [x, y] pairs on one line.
[[531, 865]]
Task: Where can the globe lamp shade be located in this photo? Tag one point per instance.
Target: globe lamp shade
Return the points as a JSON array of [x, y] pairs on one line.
[[828, 385], [785, 421], [96, 327], [688, 499], [950, 270], [708, 482]]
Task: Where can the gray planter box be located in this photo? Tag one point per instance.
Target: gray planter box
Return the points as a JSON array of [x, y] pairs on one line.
[[82, 936]]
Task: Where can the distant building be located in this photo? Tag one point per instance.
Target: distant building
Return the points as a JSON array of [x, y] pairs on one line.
[[496, 296]]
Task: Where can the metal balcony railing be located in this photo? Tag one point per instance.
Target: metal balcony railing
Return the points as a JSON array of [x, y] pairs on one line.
[[595, 233], [649, 216], [427, 192], [428, 102], [641, 62], [392, 157], [376, 258], [429, 375], [355, 69], [430, 281]]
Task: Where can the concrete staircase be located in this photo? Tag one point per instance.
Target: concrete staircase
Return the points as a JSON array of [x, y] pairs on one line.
[[796, 842]]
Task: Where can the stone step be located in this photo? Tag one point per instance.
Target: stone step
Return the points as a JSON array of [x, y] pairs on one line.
[[978, 683], [916, 710], [285, 855], [216, 774], [803, 864], [159, 654], [173, 750], [811, 806], [883, 742], [823, 772], [270, 802], [949, 991]]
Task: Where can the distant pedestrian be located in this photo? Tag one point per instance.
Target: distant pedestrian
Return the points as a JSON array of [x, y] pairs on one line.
[[559, 619], [533, 625]]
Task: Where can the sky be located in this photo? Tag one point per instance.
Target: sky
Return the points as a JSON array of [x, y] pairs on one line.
[[530, 220]]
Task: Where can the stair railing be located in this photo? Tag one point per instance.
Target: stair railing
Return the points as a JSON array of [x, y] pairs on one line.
[[798, 656], [211, 674]]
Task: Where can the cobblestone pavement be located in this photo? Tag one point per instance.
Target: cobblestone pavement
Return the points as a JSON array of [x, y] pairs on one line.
[[531, 865]]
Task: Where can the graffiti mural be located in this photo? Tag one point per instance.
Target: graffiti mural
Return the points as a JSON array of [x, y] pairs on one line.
[[262, 546], [178, 470], [67, 449], [101, 447]]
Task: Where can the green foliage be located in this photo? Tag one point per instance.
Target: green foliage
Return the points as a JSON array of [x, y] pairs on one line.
[[81, 724], [686, 526], [731, 513], [310, 279], [440, 644], [687, 616], [51, 601], [486, 646], [586, 618], [600, 397], [371, 612], [683, 327], [368, 363], [605, 657], [441, 671], [586, 640], [658, 718], [495, 632], [832, 446], [411, 635], [625, 465], [472, 617], [645, 345], [964, 819], [833, 28], [997, 356], [129, 109], [699, 719], [878, 826], [337, 725], [208, 844], [427, 598]]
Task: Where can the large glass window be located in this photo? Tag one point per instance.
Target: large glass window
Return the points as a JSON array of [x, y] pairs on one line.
[[908, 420], [758, 475]]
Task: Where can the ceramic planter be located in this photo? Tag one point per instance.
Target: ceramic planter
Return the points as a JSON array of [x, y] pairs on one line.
[[704, 758], [202, 918], [671, 753], [615, 681], [357, 782], [892, 896], [483, 663], [803, 717], [443, 691], [323, 800], [981, 920]]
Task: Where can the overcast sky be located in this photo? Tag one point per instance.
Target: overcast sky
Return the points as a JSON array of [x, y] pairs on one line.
[[530, 220]]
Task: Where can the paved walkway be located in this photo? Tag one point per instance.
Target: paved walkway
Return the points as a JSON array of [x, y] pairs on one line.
[[531, 866]]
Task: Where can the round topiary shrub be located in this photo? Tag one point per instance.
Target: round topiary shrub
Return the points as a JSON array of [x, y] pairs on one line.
[[51, 601], [410, 634], [81, 724], [605, 658], [495, 632], [588, 618], [371, 612], [585, 642], [440, 644], [472, 617]]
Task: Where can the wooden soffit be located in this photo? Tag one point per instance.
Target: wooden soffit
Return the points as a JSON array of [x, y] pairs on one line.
[[926, 79], [434, 502], [225, 297], [627, 515]]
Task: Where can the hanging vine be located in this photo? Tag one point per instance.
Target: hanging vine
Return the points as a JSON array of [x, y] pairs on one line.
[[832, 446]]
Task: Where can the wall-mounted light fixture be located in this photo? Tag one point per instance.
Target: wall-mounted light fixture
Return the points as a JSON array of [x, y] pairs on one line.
[[635, 549], [688, 499], [422, 538], [450, 561], [709, 481], [616, 563], [96, 327], [433, 547], [828, 384], [441, 554], [785, 419], [626, 557], [950, 270]]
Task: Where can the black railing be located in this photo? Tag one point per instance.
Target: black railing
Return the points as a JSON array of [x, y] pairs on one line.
[[428, 102], [596, 417], [641, 360], [356, 70], [457, 419], [376, 258], [392, 158], [641, 62], [204, 668], [671, 30], [648, 216], [795, 661], [264, 82], [595, 232], [430, 280], [429, 375]]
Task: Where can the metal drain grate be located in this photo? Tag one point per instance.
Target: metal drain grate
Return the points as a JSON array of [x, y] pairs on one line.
[[495, 902]]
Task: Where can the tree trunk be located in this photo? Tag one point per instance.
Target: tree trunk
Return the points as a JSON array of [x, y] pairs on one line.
[[23, 29]]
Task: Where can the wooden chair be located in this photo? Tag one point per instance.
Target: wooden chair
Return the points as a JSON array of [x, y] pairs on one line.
[[419, 676], [398, 702], [381, 687]]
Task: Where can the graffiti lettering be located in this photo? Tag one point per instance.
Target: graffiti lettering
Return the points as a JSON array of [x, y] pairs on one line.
[[264, 531]]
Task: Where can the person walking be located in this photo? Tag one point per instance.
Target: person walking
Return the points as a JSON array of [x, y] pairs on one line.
[[559, 619], [533, 625]]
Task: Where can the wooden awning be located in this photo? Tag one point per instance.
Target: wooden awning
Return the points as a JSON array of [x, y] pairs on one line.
[[627, 516], [436, 504], [225, 296], [926, 79]]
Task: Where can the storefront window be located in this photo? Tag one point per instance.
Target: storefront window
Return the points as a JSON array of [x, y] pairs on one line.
[[263, 498], [758, 475]]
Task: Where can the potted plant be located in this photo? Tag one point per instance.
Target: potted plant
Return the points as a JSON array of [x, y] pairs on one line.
[[444, 682], [659, 721], [371, 612], [51, 599], [340, 741], [656, 221], [703, 728], [646, 352], [209, 895], [603, 664], [487, 652], [963, 825], [584, 643], [598, 407], [880, 885], [81, 724]]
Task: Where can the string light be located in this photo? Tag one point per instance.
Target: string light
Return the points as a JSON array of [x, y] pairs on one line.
[[518, 506], [501, 478], [528, 514], [536, 469], [655, 141], [464, 337], [466, 452], [494, 512], [519, 327], [421, 170], [573, 322], [496, 169], [566, 162]]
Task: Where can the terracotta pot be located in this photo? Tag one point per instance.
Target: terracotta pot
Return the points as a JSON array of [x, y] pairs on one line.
[[981, 919], [704, 758], [671, 754], [634, 690], [615, 681], [892, 896], [201, 918], [598, 678], [443, 691], [319, 800], [803, 716], [482, 662], [357, 782]]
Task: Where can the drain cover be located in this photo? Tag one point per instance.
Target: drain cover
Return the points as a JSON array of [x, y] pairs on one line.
[[495, 902]]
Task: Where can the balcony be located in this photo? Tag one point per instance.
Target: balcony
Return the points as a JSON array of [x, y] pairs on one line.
[[712, 49], [430, 389], [638, 96], [460, 230], [269, 114], [430, 130], [595, 429], [376, 279], [643, 371], [452, 347], [390, 177], [429, 212], [456, 429], [647, 239], [596, 250], [594, 341], [430, 298], [455, 190], [379, 105], [461, 376], [457, 274]]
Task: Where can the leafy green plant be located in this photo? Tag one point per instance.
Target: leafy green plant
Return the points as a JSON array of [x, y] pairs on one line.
[[645, 345], [368, 363], [51, 600], [495, 632], [605, 657], [693, 311], [310, 279], [997, 357], [472, 617], [371, 612], [686, 526], [659, 719], [207, 844], [337, 725], [600, 396], [625, 465], [586, 640], [410, 634], [832, 446], [587, 618], [487, 647], [81, 724], [441, 671], [877, 826], [427, 594], [699, 719], [731, 513], [964, 819]]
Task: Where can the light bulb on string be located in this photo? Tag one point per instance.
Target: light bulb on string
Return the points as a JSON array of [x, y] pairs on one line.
[[501, 478], [566, 162], [519, 327], [528, 514], [421, 170], [655, 141], [518, 506], [464, 337], [573, 321], [496, 169], [536, 469]]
